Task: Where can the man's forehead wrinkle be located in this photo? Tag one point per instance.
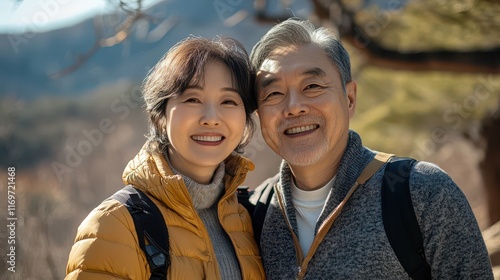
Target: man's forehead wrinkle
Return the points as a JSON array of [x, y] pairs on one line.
[[288, 64], [271, 64], [275, 68], [276, 57], [314, 71], [269, 71], [266, 78]]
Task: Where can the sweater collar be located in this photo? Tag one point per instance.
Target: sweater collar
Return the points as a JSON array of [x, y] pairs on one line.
[[355, 158], [203, 196]]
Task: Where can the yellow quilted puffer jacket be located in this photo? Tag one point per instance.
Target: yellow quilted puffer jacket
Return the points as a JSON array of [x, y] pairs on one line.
[[106, 244]]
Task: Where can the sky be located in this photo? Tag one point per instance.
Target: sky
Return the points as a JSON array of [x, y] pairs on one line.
[[42, 15]]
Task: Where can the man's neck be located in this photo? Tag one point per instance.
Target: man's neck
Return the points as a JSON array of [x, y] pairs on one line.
[[318, 174], [315, 176]]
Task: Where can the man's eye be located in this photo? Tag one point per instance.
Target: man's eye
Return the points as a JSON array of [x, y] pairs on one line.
[[272, 94], [312, 86]]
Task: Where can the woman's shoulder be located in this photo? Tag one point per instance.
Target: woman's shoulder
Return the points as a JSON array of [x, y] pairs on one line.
[[106, 243], [110, 220]]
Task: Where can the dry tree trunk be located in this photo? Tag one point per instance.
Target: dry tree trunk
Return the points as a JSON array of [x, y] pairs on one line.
[[489, 136]]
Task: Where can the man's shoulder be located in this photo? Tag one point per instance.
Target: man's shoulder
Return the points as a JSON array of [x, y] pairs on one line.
[[429, 182], [424, 172], [426, 179]]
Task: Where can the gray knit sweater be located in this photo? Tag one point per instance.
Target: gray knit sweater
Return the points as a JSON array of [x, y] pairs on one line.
[[205, 199], [356, 247]]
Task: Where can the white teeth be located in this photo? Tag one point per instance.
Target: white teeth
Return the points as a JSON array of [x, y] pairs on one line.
[[300, 129], [207, 138]]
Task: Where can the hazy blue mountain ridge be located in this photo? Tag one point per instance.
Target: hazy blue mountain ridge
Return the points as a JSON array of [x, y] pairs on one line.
[[25, 67]]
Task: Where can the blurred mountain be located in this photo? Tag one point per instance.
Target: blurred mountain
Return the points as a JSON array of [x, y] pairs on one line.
[[28, 60]]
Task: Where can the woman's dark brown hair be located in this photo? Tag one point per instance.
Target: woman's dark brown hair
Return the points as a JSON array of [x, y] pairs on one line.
[[184, 63]]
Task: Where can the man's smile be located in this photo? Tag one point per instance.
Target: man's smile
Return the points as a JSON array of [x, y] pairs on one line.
[[301, 129]]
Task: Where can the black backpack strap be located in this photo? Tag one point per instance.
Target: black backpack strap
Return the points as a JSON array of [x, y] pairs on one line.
[[399, 218], [259, 214], [244, 194], [150, 225], [259, 201], [256, 202]]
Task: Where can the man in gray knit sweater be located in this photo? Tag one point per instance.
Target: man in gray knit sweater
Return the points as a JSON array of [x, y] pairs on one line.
[[318, 226]]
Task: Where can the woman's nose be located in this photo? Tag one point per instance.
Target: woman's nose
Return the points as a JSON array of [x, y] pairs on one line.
[[210, 116]]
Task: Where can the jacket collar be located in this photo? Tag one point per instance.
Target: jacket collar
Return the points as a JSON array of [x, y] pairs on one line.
[[150, 172]]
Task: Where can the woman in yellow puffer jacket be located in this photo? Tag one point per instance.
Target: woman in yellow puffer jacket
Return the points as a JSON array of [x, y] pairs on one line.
[[198, 98]]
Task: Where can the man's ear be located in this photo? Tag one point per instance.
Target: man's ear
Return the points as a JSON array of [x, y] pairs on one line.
[[351, 94]]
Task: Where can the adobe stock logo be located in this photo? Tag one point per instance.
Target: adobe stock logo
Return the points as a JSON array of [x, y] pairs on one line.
[[485, 91], [228, 11], [91, 139]]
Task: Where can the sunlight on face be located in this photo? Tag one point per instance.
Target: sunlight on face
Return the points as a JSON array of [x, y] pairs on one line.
[[304, 113], [205, 123]]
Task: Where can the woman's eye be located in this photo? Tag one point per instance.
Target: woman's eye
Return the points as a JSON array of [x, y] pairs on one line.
[[230, 102], [192, 100]]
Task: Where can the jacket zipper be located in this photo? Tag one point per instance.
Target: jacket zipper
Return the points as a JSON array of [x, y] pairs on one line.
[[296, 243]]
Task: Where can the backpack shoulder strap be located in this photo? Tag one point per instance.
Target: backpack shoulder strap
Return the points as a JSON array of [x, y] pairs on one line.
[[261, 200], [150, 225], [244, 194], [399, 219], [259, 213], [256, 202]]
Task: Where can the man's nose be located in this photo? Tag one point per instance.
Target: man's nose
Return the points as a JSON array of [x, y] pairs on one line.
[[296, 104]]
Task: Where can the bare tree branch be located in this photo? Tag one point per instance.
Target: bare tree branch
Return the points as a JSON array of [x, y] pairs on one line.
[[334, 14], [123, 31]]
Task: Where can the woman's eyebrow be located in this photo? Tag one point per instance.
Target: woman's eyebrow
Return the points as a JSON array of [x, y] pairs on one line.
[[194, 87], [230, 89], [198, 87]]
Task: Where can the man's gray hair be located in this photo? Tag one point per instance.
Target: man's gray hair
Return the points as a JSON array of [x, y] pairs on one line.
[[297, 32]]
